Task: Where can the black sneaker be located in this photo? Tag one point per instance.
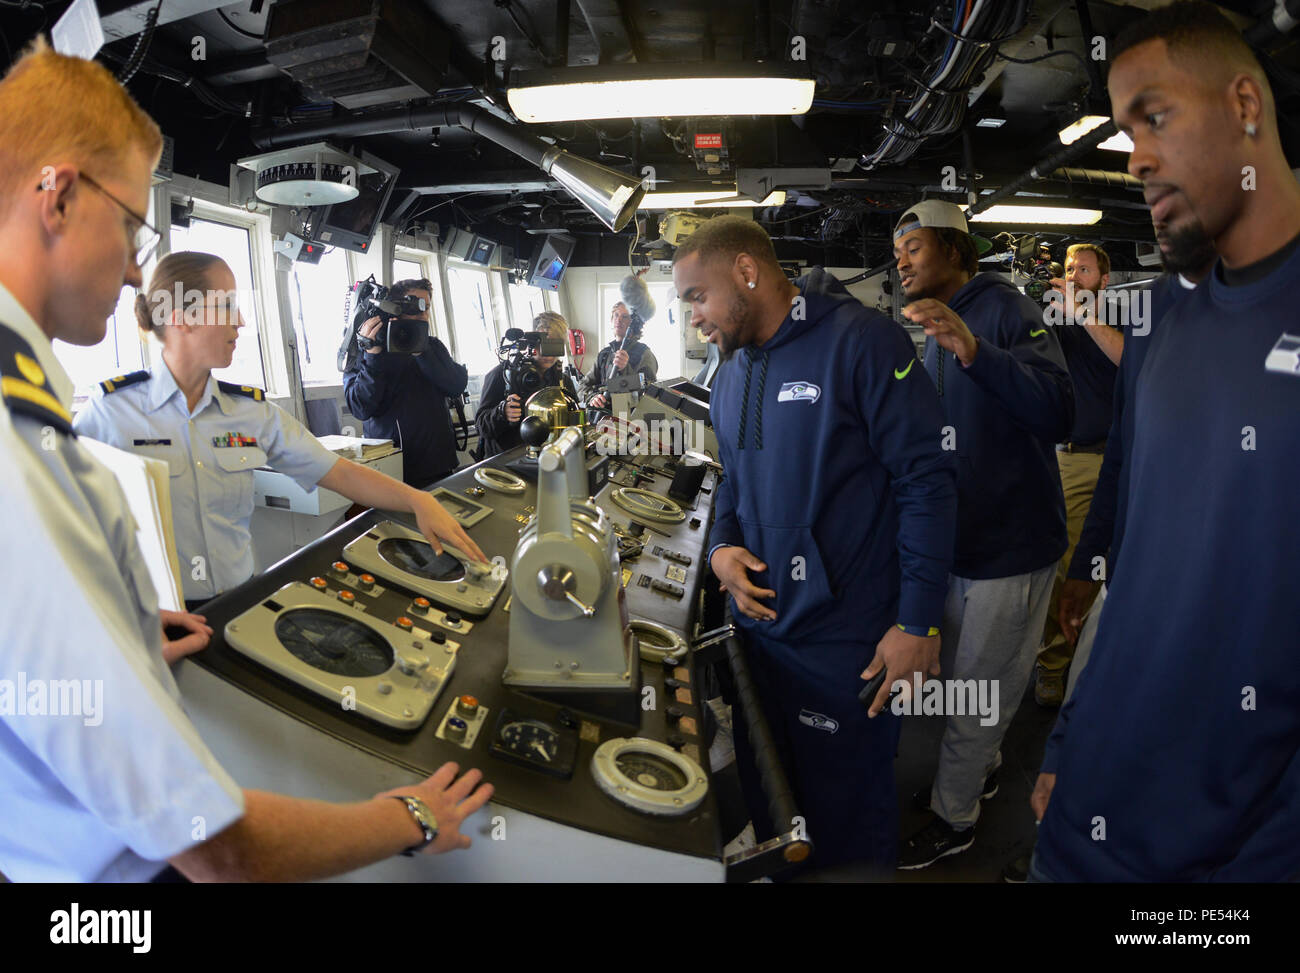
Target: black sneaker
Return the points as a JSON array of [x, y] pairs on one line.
[[936, 840], [921, 798], [1017, 872]]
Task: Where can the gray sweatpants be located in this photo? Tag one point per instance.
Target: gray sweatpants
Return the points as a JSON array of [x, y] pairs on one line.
[[991, 631]]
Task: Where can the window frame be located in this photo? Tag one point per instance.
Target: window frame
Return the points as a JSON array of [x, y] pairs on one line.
[[267, 293]]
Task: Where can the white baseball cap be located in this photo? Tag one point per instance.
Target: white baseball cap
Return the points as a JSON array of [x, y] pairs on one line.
[[931, 212]]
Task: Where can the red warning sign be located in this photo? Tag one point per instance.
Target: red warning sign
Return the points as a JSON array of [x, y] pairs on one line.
[[704, 140]]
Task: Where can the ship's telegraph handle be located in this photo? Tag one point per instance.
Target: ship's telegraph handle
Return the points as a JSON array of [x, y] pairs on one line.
[[558, 583], [561, 477]]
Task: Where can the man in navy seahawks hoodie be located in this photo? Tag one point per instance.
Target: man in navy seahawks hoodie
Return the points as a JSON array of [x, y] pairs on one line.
[[1008, 401], [840, 500], [1177, 757]]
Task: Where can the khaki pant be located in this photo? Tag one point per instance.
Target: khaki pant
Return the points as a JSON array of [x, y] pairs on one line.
[[1079, 473]]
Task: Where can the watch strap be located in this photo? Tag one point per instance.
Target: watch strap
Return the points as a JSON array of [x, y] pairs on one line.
[[424, 818]]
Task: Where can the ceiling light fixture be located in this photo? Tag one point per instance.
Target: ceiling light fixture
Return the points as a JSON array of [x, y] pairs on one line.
[[1058, 215], [1077, 130], [1119, 142], [708, 199], [657, 91]]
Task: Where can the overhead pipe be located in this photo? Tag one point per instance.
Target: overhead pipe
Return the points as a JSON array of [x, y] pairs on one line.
[[609, 194]]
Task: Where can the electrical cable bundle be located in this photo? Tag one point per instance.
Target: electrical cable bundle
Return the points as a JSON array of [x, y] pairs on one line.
[[938, 103]]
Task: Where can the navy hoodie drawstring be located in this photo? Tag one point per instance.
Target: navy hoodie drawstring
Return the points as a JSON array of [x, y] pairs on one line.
[[744, 404], [744, 401]]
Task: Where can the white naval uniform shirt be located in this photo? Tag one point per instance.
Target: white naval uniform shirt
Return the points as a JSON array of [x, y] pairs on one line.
[[211, 453], [105, 783]]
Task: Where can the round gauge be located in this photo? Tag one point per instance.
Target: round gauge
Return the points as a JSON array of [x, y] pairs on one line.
[[650, 771], [328, 641], [417, 557], [649, 776], [657, 642], [530, 739]]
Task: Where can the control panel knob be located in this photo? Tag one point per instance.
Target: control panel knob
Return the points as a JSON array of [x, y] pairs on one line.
[[534, 431], [404, 623], [436, 636], [347, 597], [467, 706], [318, 583], [366, 581], [452, 618], [410, 663], [676, 741], [674, 713], [456, 728], [420, 605], [339, 568]]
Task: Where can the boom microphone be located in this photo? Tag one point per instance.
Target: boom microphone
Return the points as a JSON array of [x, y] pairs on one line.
[[638, 300]]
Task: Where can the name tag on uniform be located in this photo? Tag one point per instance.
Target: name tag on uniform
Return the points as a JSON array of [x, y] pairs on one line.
[[234, 440], [151, 442]]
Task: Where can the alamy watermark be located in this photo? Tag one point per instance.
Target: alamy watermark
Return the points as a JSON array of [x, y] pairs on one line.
[[53, 697]]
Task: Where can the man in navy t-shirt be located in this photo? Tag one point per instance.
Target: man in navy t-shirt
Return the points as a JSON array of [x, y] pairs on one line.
[[1178, 756], [1092, 348]]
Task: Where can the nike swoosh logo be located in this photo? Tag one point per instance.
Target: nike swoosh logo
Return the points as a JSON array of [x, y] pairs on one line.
[[903, 373], [1035, 334]]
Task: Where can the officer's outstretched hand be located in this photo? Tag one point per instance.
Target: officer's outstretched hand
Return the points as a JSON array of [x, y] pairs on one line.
[[945, 326], [451, 800], [902, 655], [437, 525], [732, 566], [200, 633]]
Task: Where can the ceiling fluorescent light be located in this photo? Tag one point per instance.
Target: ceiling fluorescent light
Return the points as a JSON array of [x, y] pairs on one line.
[[1077, 130], [1119, 142], [656, 91], [1013, 213], [708, 199]]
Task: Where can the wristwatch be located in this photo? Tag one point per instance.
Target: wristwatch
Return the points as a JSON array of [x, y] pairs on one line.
[[424, 818]]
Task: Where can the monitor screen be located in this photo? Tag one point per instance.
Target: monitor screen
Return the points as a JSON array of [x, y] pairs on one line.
[[351, 225], [551, 260], [481, 251]]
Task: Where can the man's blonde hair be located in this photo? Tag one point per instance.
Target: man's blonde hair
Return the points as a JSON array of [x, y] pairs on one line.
[[1103, 259], [56, 109]]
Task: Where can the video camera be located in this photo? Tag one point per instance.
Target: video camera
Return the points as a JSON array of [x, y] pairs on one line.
[[401, 330], [519, 352], [1037, 264]]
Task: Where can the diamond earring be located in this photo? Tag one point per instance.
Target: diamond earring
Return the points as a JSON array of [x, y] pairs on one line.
[[1251, 130], [751, 285]]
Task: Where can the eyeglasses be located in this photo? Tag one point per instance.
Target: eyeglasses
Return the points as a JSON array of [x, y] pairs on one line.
[[144, 237]]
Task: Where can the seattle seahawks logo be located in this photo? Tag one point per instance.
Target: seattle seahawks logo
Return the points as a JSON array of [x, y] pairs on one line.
[[816, 720], [799, 392], [1285, 356]]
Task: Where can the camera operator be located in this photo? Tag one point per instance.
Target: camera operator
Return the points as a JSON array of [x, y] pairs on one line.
[[619, 357], [507, 387], [403, 397]]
